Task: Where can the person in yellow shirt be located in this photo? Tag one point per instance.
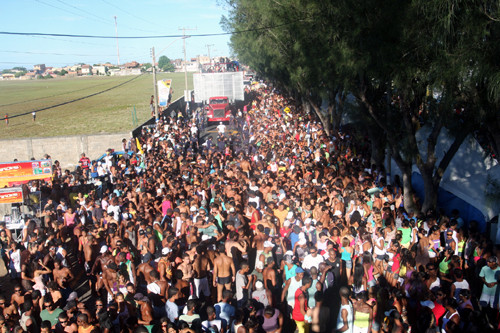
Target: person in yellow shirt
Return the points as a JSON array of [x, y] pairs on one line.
[[281, 213], [83, 324]]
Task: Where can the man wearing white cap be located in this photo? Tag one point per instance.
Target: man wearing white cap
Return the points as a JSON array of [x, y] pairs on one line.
[[164, 264], [260, 294], [267, 253]]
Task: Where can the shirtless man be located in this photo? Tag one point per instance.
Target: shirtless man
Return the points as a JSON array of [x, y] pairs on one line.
[[245, 166], [88, 251], [144, 269], [101, 262], [17, 297], [269, 277], [156, 285], [258, 241], [145, 309], [109, 277], [164, 264], [201, 265], [186, 267], [62, 275], [233, 241], [10, 311], [224, 272]]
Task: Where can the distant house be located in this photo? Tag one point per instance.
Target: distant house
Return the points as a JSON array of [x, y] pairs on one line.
[[124, 72], [8, 76], [40, 68], [86, 70], [204, 60], [133, 64], [72, 73], [30, 75], [99, 70]]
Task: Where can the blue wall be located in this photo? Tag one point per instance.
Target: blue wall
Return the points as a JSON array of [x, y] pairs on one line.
[[448, 201]]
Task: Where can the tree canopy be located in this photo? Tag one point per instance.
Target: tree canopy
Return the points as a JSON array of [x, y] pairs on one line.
[[165, 64], [418, 63]]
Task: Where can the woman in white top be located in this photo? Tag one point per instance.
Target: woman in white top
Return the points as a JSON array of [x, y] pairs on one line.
[[345, 318], [379, 249]]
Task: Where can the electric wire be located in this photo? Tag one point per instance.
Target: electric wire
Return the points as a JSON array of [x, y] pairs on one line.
[[76, 99], [51, 96], [128, 13], [58, 54], [144, 37]]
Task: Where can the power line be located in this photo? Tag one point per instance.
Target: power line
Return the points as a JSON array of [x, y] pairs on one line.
[[76, 99], [56, 95], [93, 17], [127, 12], [59, 54], [80, 42], [144, 37], [83, 10], [69, 11]]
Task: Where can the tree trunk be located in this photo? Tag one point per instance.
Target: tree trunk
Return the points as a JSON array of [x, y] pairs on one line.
[[377, 146], [336, 108], [322, 117], [430, 190], [432, 176], [408, 201]]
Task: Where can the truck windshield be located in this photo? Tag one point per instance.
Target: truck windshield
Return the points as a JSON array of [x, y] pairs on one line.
[[218, 101]]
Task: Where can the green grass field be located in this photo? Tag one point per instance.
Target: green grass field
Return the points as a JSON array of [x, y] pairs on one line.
[[109, 112]]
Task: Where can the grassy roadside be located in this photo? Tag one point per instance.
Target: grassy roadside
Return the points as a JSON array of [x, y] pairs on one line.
[[109, 112]]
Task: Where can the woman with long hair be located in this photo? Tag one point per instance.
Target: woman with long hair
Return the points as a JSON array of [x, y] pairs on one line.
[[358, 279]]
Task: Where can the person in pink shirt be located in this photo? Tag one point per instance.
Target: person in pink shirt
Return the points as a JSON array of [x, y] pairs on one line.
[[166, 204]]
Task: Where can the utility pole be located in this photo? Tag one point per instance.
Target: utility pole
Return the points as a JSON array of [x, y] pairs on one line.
[[185, 59], [208, 47], [155, 92], [117, 47]]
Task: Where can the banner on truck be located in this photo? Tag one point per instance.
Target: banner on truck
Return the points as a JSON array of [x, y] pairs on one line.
[[11, 195], [15, 173], [164, 91]]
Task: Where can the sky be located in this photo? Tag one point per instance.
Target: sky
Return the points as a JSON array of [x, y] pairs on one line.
[[96, 17]]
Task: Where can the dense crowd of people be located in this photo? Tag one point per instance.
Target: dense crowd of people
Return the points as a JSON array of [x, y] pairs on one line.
[[273, 226]]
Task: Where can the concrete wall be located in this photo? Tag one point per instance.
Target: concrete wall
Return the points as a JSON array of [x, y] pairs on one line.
[[65, 149]]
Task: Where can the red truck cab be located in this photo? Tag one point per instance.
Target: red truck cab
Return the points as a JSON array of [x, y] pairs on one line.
[[218, 109]]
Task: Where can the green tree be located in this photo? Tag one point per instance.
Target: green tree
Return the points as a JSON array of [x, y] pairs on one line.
[[408, 66], [165, 64]]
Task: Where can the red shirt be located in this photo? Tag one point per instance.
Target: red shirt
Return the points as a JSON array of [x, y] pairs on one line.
[[255, 219], [296, 314], [85, 162], [438, 311]]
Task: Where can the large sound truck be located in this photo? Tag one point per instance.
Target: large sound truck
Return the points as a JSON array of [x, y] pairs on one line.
[[218, 109]]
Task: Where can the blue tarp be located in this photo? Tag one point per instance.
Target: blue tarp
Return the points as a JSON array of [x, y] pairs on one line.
[[448, 201]]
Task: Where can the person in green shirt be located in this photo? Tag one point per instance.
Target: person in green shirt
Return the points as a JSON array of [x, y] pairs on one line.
[[405, 233], [490, 275], [50, 311]]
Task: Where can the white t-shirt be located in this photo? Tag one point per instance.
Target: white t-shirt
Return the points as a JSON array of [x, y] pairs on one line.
[[221, 128], [310, 261]]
